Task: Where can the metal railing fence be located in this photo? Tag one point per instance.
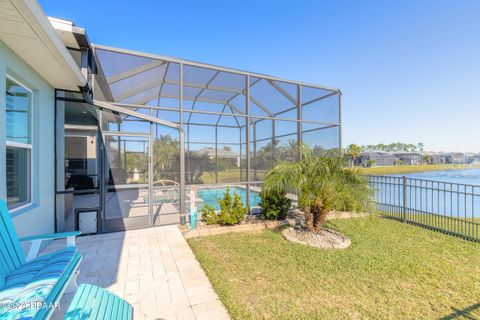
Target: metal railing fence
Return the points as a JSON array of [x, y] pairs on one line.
[[452, 208]]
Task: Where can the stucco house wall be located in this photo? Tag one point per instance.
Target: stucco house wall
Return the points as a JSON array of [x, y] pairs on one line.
[[38, 217]]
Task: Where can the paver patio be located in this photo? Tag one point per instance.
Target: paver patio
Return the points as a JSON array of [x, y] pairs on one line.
[[153, 269]]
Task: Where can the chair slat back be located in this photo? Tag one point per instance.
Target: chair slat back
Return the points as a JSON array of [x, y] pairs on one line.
[[11, 253]]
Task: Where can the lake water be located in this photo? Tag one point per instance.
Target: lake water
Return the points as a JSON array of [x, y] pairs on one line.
[[456, 192], [465, 176]]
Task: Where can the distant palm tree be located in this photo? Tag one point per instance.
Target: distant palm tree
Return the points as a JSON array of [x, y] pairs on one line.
[[322, 183], [353, 151], [427, 158], [267, 156], [165, 154], [290, 150]]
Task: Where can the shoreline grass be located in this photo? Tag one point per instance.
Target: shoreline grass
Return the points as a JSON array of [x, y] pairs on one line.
[[233, 175], [460, 226], [384, 170], [391, 271]]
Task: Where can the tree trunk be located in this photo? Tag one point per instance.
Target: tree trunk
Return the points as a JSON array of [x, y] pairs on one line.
[[321, 219], [316, 210], [319, 215], [308, 219]]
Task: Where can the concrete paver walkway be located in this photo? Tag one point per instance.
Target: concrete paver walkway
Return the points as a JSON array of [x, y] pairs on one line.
[[153, 269]]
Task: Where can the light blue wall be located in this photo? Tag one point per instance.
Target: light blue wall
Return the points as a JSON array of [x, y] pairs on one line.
[[38, 218]]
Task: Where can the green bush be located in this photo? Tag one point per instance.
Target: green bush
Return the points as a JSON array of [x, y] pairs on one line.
[[232, 210], [274, 204], [209, 215]]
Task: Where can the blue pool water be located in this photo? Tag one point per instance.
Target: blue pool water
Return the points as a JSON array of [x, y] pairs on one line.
[[210, 196]]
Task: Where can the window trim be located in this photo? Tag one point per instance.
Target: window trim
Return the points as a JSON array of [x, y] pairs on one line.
[[22, 145]]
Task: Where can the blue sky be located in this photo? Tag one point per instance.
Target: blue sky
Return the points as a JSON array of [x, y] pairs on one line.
[[409, 70]]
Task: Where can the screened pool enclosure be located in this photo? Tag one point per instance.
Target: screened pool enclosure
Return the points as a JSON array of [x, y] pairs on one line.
[[158, 127]]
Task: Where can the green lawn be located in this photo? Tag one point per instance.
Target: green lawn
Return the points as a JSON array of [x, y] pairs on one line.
[[230, 175], [463, 227], [233, 175], [381, 170], [391, 271]]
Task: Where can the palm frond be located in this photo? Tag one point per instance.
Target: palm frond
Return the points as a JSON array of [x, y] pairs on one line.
[[323, 180]]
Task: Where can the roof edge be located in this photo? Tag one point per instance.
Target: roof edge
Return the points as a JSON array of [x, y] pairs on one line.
[[38, 21]]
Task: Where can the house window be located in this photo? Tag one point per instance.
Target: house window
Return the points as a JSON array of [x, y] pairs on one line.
[[18, 144]]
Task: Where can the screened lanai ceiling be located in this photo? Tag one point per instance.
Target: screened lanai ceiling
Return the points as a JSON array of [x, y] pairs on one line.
[[136, 79]]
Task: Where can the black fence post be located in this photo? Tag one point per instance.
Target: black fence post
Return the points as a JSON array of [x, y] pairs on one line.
[[404, 199]]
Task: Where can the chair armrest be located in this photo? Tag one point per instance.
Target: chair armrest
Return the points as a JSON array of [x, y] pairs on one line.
[[37, 240], [51, 236]]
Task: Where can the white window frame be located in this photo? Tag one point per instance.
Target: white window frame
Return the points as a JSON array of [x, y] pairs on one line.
[[22, 145]]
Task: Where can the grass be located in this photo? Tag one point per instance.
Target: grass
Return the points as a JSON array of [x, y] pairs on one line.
[[381, 170], [229, 175], [467, 227], [391, 271], [233, 175]]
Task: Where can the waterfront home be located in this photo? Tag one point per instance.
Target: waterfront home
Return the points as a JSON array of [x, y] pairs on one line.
[[409, 158], [102, 139], [472, 157], [455, 158], [375, 158], [95, 133], [433, 157]]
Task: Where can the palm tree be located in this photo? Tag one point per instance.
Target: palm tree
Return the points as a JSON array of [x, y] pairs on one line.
[[426, 159], [165, 152], [267, 156], [353, 151], [322, 183], [290, 150]]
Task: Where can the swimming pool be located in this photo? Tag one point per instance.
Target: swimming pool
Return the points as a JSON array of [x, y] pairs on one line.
[[210, 196]]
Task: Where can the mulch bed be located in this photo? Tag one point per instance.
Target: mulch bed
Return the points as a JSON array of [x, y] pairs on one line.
[[325, 239], [296, 232]]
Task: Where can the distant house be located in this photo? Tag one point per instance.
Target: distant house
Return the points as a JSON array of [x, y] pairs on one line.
[[473, 157], [409, 158], [375, 158], [220, 153], [456, 158], [435, 157]]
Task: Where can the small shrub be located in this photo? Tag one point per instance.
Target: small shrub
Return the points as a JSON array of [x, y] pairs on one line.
[[232, 210], [209, 215], [274, 204]]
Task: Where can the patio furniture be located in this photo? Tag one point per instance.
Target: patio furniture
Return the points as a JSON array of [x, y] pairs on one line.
[[92, 302], [30, 287], [165, 183]]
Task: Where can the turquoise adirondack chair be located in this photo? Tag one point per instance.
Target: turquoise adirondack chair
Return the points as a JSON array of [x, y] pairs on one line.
[[30, 286], [92, 302]]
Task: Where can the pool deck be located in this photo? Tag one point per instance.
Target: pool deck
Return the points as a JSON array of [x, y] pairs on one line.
[[153, 269]]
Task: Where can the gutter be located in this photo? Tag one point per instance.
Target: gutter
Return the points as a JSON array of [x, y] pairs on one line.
[[37, 20]]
